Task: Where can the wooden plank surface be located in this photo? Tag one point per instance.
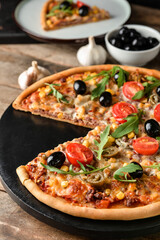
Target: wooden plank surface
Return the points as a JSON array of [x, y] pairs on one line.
[[16, 224]]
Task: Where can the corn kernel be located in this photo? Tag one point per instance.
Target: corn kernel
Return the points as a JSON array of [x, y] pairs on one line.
[[131, 135], [107, 191], [81, 111], [47, 89], [112, 160], [158, 175], [114, 126], [92, 82], [94, 19], [140, 105], [51, 183], [49, 22], [120, 195], [42, 94], [65, 168], [110, 141], [102, 110], [110, 90], [60, 115], [147, 105], [64, 184], [113, 165], [86, 143], [113, 120], [34, 105], [144, 100], [96, 131], [125, 164], [129, 154]]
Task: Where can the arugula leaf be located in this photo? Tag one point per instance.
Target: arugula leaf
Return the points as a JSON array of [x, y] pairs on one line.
[[101, 85], [82, 166], [132, 123], [154, 166], [148, 88], [90, 166], [100, 88], [57, 94], [103, 141], [158, 138], [122, 172], [152, 79], [64, 9], [102, 73], [52, 11], [121, 75], [71, 172]]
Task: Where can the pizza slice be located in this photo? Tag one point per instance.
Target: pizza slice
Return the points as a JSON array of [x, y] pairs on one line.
[[87, 96], [59, 14], [97, 177]]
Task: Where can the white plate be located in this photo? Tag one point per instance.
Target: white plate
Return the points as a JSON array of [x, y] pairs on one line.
[[27, 16]]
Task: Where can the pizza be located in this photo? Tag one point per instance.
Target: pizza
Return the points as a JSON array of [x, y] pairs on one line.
[[113, 173], [58, 14]]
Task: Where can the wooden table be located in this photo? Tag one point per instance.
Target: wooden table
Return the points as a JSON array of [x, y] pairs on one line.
[[14, 222]]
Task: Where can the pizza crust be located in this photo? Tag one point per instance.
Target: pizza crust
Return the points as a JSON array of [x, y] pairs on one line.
[[86, 212], [17, 103], [43, 15]]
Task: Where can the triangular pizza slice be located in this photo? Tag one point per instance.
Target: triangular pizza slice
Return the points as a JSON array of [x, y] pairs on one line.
[[59, 14]]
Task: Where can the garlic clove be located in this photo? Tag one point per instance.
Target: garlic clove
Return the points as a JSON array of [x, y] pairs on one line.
[[24, 80], [91, 54], [31, 75]]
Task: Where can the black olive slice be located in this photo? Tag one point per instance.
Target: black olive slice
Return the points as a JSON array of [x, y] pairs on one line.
[[64, 5], [105, 99], [152, 128], [137, 173], [79, 87], [56, 159], [158, 90], [83, 11]]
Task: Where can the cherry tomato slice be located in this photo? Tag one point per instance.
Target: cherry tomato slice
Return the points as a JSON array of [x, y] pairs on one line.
[[157, 112], [145, 145], [121, 110], [77, 151], [80, 4], [131, 88]]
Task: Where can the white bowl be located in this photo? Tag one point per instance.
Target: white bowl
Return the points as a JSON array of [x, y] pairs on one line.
[[134, 58]]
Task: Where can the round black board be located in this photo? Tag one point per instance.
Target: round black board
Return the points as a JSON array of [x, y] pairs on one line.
[[22, 137]]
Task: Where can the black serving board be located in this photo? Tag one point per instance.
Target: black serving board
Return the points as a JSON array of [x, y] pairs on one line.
[[22, 137]]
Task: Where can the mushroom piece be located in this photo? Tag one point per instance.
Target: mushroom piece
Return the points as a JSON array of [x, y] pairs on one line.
[[121, 143]]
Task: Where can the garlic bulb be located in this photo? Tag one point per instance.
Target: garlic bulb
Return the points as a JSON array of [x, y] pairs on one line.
[[91, 54], [31, 75]]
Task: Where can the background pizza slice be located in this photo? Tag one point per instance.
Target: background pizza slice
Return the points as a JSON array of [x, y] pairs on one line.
[[59, 14]]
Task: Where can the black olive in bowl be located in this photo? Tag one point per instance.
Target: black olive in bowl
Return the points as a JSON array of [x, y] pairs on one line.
[[133, 44]]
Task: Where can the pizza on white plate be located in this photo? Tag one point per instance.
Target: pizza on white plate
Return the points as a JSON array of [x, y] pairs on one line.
[[57, 14]]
